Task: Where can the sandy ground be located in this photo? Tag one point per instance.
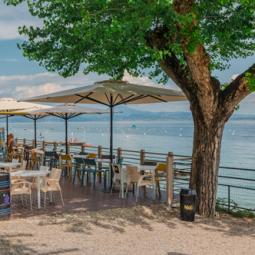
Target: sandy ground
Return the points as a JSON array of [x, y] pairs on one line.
[[137, 230]]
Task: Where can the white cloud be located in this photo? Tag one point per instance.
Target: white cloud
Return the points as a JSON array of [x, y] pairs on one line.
[[11, 18], [23, 86], [40, 89]]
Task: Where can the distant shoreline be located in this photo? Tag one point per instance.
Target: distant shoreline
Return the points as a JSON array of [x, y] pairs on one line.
[[129, 116]]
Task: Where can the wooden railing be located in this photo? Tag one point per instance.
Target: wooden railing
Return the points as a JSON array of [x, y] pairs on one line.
[[233, 185]]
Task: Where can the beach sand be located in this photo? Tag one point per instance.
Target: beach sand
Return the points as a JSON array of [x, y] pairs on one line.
[[136, 230]]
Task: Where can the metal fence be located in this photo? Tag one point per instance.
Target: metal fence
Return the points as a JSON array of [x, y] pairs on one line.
[[236, 188]]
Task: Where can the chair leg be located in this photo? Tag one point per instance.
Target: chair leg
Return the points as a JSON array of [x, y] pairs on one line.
[[158, 189], [30, 196], [94, 180], [51, 196], [45, 199], [137, 193], [105, 176], [88, 176], [70, 173], [74, 175], [145, 191], [126, 192], [82, 178], [62, 201], [112, 186], [154, 191]]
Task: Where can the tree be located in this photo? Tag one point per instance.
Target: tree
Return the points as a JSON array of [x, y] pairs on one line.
[[184, 40]]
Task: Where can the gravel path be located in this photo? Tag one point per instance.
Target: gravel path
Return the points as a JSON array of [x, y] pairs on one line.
[[138, 230]]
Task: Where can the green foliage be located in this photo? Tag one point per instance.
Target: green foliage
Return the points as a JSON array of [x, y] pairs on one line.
[[250, 78], [110, 36], [234, 210]]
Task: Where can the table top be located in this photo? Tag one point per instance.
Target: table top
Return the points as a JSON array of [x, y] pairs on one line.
[[30, 173], [145, 168], [99, 160], [9, 164], [79, 156]]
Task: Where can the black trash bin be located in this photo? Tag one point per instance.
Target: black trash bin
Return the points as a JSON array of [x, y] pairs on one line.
[[5, 201], [187, 204]]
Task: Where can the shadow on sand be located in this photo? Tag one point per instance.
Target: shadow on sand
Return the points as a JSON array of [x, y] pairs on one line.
[[11, 244]]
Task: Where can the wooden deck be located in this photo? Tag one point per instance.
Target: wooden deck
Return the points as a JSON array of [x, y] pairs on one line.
[[78, 199]]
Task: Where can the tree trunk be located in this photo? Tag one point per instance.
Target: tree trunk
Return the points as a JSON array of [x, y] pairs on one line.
[[205, 162]]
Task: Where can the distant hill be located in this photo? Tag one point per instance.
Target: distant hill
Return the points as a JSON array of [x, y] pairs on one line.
[[125, 113]]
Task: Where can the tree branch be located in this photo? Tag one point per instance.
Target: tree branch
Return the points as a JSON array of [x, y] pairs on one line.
[[198, 62], [179, 74], [236, 92]]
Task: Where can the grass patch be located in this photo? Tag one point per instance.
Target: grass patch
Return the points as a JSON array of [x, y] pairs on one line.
[[233, 209]]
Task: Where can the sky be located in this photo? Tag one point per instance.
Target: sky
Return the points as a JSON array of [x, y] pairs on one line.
[[20, 78]]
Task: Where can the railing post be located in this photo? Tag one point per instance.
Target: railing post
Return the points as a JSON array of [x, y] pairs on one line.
[[142, 156], [24, 141], [16, 141], [170, 179], [99, 151], [43, 145], [229, 199], [83, 147], [68, 148], [119, 153], [55, 146]]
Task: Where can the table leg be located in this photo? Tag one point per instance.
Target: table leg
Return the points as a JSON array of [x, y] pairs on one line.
[[38, 192], [122, 184]]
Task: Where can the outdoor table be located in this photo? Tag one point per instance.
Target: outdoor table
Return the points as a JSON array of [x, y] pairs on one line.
[[97, 160], [145, 168], [35, 174], [9, 165]]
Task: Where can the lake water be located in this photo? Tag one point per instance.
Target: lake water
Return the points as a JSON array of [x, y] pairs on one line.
[[238, 146]]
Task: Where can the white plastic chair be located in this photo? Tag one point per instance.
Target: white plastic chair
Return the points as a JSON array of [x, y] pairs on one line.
[[134, 177], [22, 188], [51, 184], [147, 179], [130, 176]]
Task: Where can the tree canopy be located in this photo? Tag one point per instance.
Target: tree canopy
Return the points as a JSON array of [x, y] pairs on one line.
[[112, 36]]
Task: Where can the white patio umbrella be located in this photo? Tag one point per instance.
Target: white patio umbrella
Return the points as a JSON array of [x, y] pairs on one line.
[[112, 93], [67, 112], [10, 107]]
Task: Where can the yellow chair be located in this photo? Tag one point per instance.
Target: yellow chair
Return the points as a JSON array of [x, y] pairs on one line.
[[160, 173], [92, 155], [66, 163]]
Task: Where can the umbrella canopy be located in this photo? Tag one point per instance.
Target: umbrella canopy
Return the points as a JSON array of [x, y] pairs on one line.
[[112, 93], [11, 107], [68, 111]]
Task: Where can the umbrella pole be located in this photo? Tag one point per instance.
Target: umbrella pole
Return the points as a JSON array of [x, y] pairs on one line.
[[66, 133], [7, 128], [111, 143], [35, 132], [111, 134]]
